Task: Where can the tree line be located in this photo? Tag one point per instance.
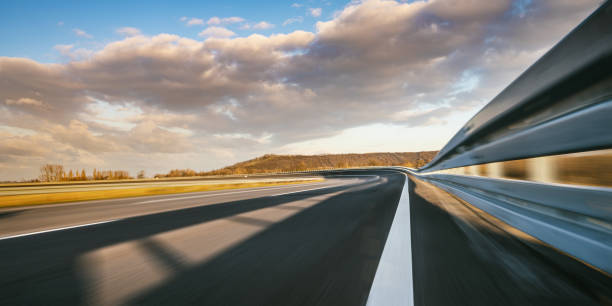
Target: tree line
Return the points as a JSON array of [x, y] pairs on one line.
[[57, 173]]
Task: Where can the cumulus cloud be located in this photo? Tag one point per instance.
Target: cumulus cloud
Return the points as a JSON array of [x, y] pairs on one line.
[[289, 21], [25, 101], [128, 31], [315, 12], [220, 21], [263, 25], [193, 21], [63, 49], [69, 52], [81, 33], [217, 32], [296, 5], [410, 64]]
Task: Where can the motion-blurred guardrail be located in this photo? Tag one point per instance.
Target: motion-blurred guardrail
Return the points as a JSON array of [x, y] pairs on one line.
[[538, 155]]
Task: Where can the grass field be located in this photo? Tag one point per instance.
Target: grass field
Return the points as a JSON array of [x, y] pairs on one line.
[[63, 197]]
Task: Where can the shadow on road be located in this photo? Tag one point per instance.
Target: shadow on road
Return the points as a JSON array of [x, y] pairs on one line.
[[324, 254]]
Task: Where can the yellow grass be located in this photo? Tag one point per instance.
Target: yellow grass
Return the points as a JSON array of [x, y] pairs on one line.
[[49, 198]]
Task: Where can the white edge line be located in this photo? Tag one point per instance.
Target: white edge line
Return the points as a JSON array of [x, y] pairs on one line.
[[216, 194], [393, 282], [298, 191], [57, 229]]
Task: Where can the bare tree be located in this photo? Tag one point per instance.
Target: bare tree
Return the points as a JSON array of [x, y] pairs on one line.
[[51, 173], [141, 174]]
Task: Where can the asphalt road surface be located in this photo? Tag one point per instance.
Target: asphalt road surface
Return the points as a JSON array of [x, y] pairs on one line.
[[308, 244]]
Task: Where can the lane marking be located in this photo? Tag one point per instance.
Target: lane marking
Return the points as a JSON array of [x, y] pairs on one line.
[[330, 186], [160, 200], [57, 229], [298, 191], [393, 283], [211, 195]]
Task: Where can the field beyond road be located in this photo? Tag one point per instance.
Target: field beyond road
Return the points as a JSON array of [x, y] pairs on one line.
[[24, 196]]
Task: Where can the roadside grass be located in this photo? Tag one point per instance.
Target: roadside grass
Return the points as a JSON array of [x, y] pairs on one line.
[[76, 196]]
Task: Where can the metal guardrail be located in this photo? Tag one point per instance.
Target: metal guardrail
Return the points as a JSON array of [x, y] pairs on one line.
[[561, 104]]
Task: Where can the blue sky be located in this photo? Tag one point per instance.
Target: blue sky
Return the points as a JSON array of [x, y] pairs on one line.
[[154, 86], [32, 28]]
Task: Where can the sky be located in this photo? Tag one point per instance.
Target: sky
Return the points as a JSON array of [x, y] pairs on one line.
[[160, 85]]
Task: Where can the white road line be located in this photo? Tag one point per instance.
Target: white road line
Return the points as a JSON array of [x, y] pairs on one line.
[[212, 195], [298, 191], [393, 283], [57, 229]]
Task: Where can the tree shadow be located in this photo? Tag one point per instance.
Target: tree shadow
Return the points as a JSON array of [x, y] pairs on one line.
[[326, 254], [43, 269]]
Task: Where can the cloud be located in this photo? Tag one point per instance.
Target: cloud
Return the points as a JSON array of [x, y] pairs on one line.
[[263, 25], [81, 33], [228, 20], [296, 5], [128, 31], [26, 102], [315, 12], [69, 52], [217, 32], [194, 21], [63, 49], [167, 99], [60, 23], [289, 21]]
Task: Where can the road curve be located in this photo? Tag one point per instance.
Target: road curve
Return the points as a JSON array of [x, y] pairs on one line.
[[309, 244]]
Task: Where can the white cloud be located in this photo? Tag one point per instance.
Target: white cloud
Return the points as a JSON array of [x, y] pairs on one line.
[[164, 98], [296, 5], [25, 101], [263, 25], [60, 23], [195, 21], [69, 52], [228, 20], [219, 32], [289, 21], [128, 31], [63, 49], [315, 12], [81, 33]]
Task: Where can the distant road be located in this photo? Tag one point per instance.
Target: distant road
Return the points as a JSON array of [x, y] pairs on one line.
[[307, 244]]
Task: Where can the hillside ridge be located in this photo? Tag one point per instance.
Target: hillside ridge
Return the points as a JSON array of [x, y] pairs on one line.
[[273, 163]]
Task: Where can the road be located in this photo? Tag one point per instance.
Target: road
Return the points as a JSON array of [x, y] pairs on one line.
[[308, 244]]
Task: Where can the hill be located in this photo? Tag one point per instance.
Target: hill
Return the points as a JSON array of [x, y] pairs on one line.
[[271, 163]]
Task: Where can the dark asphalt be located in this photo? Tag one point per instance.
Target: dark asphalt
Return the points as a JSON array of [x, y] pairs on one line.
[[463, 256], [275, 247], [315, 247]]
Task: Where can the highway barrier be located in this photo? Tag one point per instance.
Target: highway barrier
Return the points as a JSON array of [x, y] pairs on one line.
[[512, 159]]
